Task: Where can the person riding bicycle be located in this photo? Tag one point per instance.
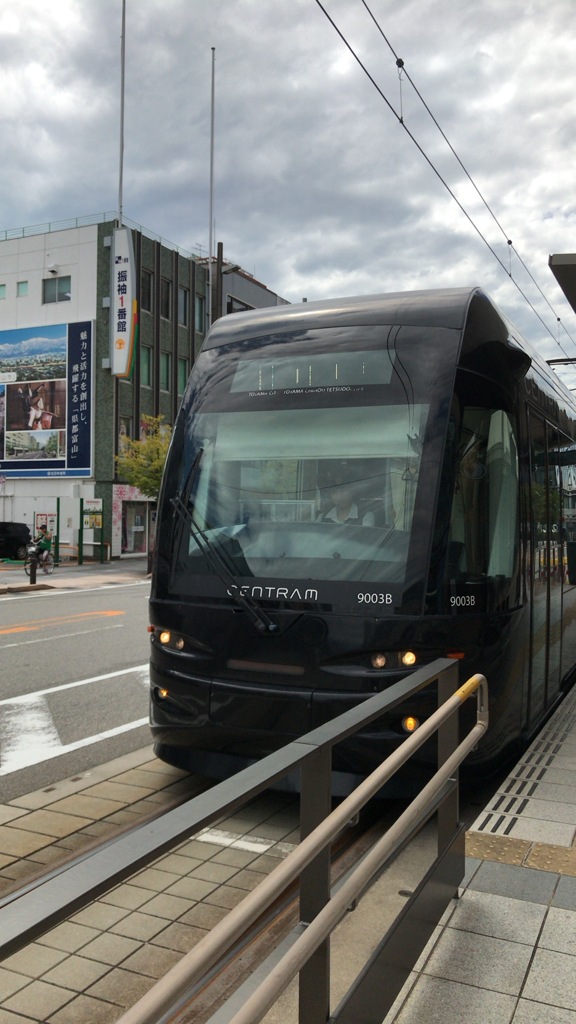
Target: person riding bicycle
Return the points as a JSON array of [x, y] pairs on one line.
[[44, 544]]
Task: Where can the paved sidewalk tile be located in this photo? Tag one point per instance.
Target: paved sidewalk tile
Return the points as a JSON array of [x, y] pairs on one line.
[[121, 987], [34, 960], [69, 937], [93, 807], [16, 842], [76, 973], [438, 1001], [552, 979], [118, 792], [52, 823], [83, 1010], [39, 995], [110, 949]]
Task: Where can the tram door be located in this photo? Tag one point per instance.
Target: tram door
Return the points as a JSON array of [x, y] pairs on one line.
[[546, 560]]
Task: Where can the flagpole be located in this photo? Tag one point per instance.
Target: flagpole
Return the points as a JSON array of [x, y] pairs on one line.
[[122, 77], [211, 204]]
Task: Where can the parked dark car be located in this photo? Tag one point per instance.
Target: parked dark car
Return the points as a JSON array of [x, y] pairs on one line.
[[14, 538]]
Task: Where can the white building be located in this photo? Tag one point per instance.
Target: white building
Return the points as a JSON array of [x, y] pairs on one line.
[[63, 408]]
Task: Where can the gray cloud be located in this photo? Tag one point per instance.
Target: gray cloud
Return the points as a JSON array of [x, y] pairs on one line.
[[318, 189]]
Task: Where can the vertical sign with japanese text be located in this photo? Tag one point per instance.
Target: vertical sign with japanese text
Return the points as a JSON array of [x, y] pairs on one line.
[[123, 306], [79, 393]]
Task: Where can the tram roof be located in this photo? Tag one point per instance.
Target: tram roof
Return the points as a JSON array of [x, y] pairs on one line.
[[438, 307], [486, 332]]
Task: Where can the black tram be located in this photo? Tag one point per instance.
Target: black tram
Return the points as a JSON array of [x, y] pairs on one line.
[[353, 489]]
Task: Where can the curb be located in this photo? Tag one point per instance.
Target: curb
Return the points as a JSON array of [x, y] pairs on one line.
[[25, 588]]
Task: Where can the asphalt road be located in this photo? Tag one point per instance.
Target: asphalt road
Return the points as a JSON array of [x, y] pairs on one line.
[[74, 682]]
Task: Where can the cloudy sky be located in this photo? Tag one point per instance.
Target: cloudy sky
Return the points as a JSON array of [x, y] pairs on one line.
[[319, 188]]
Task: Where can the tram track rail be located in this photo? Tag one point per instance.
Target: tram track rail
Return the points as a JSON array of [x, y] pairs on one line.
[[206, 997]]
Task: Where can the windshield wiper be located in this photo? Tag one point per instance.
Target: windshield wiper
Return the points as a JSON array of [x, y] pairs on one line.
[[259, 617], [379, 547]]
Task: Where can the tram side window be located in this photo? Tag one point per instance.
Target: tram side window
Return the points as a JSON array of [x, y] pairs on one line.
[[484, 520]]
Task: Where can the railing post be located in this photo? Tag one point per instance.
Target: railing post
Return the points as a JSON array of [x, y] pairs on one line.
[[315, 806], [448, 739]]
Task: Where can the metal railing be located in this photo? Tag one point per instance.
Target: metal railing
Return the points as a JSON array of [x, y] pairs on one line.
[[95, 218], [368, 1000]]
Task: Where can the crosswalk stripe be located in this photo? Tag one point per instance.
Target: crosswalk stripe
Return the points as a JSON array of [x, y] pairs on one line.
[[29, 734]]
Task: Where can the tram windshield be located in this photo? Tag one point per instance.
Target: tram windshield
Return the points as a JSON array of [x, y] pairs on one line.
[[307, 471], [274, 489]]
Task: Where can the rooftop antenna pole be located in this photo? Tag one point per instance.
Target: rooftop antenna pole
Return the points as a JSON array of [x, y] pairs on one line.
[[122, 69], [211, 212]]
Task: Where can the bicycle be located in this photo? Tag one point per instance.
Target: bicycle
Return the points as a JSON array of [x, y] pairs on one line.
[[45, 565]]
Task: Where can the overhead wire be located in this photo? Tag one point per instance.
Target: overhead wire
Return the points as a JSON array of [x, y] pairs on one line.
[[400, 64], [400, 118]]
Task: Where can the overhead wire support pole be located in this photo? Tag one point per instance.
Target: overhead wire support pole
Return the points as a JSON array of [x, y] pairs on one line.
[[122, 80], [211, 203]]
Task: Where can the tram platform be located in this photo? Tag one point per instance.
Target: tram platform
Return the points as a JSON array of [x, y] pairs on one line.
[[505, 951]]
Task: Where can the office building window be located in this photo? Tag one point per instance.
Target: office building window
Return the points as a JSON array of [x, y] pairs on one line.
[[236, 305], [56, 289], [165, 369], [182, 375], [21, 289], [146, 282], [199, 314], [183, 306], [165, 298], [146, 366]]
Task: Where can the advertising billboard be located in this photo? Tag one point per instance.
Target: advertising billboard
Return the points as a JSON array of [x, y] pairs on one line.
[[123, 311], [46, 401]]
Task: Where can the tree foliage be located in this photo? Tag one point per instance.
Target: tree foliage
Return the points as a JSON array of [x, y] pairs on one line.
[[140, 463]]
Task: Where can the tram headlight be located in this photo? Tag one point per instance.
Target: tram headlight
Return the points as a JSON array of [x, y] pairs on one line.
[[378, 661], [410, 724], [168, 639]]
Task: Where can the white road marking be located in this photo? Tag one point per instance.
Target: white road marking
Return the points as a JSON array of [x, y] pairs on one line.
[[139, 670], [252, 844], [62, 636], [28, 733]]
